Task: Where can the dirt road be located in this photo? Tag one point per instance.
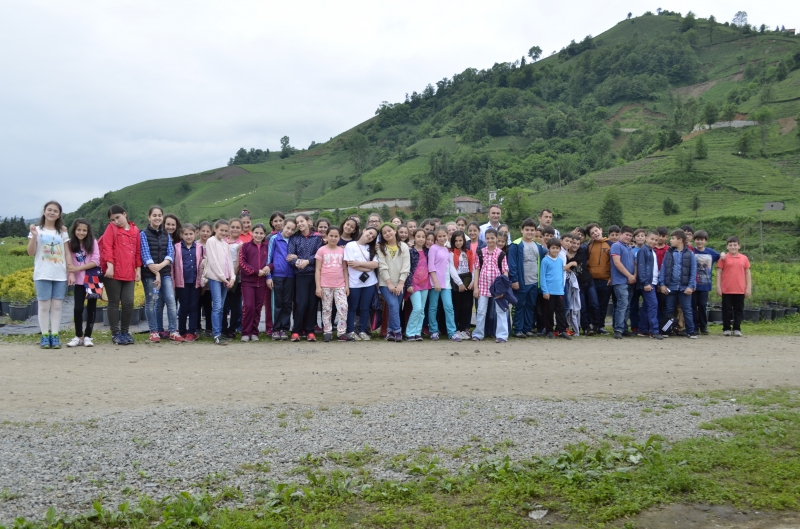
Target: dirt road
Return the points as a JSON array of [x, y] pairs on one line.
[[75, 382]]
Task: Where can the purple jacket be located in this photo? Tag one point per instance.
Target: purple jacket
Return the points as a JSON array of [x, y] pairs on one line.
[[252, 258]]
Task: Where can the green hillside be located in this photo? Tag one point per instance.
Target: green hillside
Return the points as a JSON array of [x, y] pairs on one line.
[[603, 112]]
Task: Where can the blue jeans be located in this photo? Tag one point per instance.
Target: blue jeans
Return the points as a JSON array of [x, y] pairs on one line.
[[598, 301], [360, 300], [449, 314], [624, 294], [165, 293], [526, 308], [218, 292], [393, 302], [648, 317], [501, 328], [189, 297], [418, 300], [675, 297]]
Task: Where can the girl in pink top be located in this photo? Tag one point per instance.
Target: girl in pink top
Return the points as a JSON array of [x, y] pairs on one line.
[[418, 284], [221, 276], [85, 256], [439, 268], [332, 285]]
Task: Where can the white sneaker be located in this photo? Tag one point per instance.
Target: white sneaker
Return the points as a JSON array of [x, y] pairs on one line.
[[738, 334], [254, 338], [356, 336], [726, 333], [75, 342], [245, 338], [364, 336], [87, 342]]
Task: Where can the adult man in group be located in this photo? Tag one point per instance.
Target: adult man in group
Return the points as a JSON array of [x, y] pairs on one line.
[[494, 222], [546, 219]]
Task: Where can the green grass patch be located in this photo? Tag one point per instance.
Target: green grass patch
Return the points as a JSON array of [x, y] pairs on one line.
[[749, 462]]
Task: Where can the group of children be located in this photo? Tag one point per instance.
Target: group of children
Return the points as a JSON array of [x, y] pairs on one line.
[[409, 281]]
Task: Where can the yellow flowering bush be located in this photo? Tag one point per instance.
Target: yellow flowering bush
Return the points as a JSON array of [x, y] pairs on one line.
[[18, 286]]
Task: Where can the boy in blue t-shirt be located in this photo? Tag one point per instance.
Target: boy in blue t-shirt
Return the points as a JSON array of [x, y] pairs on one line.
[[552, 284], [706, 257], [623, 279]]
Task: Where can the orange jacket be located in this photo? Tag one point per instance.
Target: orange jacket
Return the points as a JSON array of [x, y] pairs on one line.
[[600, 259]]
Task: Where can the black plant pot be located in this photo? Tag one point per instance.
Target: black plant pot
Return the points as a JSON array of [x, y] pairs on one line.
[[791, 311], [752, 315], [715, 315], [766, 313], [778, 313], [4, 305], [18, 312]]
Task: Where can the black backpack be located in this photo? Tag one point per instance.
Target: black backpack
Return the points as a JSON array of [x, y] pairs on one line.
[[499, 259]]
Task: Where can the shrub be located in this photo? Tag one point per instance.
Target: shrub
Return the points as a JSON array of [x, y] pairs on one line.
[[669, 206]]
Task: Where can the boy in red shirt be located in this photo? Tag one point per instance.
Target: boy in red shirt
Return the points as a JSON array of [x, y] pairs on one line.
[[733, 285]]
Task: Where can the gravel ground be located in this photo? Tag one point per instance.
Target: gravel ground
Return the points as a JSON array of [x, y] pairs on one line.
[[68, 464]]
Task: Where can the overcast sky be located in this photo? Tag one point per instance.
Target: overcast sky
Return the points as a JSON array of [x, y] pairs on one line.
[[97, 95]]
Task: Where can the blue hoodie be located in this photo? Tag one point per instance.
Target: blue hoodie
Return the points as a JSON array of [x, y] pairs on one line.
[[276, 256]]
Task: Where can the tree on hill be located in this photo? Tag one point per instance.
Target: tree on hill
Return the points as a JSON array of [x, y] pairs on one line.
[[728, 112], [669, 206], [710, 113], [286, 149], [358, 146], [701, 149], [684, 160], [712, 24], [534, 53], [696, 204], [688, 22], [629, 15], [744, 143], [765, 117], [611, 209], [740, 20]]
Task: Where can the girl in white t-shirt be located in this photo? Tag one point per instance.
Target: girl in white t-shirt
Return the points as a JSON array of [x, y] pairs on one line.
[[47, 244], [361, 262]]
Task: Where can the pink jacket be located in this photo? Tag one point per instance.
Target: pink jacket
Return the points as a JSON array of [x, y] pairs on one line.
[[177, 266], [93, 257]]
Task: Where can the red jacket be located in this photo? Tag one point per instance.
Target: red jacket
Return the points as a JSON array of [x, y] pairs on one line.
[[252, 258], [121, 248]]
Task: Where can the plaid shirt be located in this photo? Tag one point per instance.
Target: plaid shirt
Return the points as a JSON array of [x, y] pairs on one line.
[[147, 259], [489, 272]]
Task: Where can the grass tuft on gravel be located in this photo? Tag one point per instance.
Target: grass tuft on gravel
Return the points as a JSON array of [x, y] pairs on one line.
[[750, 462]]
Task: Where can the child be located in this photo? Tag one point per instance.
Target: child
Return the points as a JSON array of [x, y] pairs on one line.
[[47, 242], [689, 231], [394, 265], [577, 263], [706, 257], [348, 231], [412, 226], [439, 269], [204, 232], [524, 257], [331, 280], [247, 227], [473, 239], [677, 279], [461, 223], [552, 285], [85, 257], [548, 233], [599, 263], [734, 284], [647, 282], [302, 248], [361, 263], [120, 261], [538, 236], [321, 227], [275, 226], [402, 233], [463, 263], [254, 271], [188, 279], [660, 250], [613, 234], [639, 238], [418, 283], [233, 299], [491, 263], [397, 221], [221, 276], [281, 281], [623, 278], [157, 255], [430, 239]]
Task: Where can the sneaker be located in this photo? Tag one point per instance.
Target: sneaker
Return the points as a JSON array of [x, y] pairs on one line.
[[627, 334], [254, 338], [681, 333], [465, 335], [344, 337], [311, 337], [163, 334], [726, 333], [435, 336], [284, 336], [87, 342], [55, 343], [176, 337], [364, 336], [457, 338], [520, 335], [276, 336], [411, 338], [656, 337], [692, 336], [295, 337], [327, 337], [570, 332], [602, 330], [219, 341], [617, 335], [355, 336], [550, 335], [189, 338], [530, 334], [565, 335], [643, 334], [117, 339], [75, 342], [418, 338], [475, 338], [738, 334], [704, 332], [590, 332], [154, 337], [245, 338], [208, 333], [45, 343], [501, 340]]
